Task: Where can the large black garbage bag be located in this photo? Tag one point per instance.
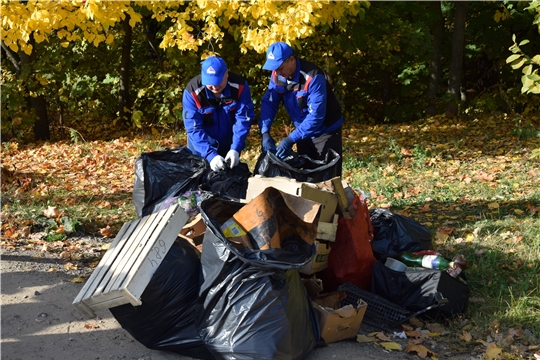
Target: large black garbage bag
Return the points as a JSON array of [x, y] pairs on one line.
[[394, 234], [166, 318], [163, 174], [418, 289], [252, 304], [299, 167], [228, 182]]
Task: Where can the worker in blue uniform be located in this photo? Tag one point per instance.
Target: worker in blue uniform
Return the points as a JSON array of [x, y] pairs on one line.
[[218, 113], [310, 102]]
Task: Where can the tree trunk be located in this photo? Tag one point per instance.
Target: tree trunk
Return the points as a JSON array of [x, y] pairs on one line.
[[39, 103], [437, 32], [456, 64], [124, 101]]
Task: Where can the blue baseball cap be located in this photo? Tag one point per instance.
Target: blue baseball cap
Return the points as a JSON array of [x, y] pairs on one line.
[[276, 54], [213, 70]]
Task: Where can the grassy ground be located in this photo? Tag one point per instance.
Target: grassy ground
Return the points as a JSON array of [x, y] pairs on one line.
[[473, 182]]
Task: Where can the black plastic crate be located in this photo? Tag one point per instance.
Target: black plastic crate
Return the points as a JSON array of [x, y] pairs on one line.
[[380, 313]]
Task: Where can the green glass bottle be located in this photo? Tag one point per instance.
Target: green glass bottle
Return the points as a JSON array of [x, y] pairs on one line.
[[426, 261]]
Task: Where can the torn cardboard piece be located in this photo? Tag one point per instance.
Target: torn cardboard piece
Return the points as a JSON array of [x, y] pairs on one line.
[[272, 218]]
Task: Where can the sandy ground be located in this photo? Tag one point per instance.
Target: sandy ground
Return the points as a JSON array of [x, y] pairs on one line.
[[38, 320]]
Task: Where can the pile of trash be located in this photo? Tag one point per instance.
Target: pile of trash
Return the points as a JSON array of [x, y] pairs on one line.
[[276, 263]]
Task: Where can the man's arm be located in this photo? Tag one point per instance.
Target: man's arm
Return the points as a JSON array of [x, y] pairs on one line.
[[269, 107], [193, 122], [317, 110], [245, 113]]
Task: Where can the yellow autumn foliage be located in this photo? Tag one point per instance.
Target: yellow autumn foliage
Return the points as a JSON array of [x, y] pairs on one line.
[[256, 23]]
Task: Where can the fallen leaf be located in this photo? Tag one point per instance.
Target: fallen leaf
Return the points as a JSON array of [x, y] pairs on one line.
[[390, 345], [106, 232], [493, 206], [91, 326], [382, 336], [51, 212], [493, 352], [466, 336], [77, 280], [365, 339], [70, 266], [52, 270], [420, 350], [65, 255]]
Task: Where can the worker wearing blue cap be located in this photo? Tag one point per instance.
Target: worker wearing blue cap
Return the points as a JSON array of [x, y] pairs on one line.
[[310, 102], [218, 112]]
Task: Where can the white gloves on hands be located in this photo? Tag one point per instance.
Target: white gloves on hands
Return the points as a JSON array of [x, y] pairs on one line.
[[233, 157], [217, 163]]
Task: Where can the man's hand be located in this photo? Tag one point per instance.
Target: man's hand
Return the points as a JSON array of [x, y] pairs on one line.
[[217, 163], [233, 157], [284, 148], [268, 144]]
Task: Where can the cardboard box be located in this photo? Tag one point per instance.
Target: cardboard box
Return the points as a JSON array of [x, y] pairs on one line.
[[272, 217], [313, 192], [338, 323], [319, 261]]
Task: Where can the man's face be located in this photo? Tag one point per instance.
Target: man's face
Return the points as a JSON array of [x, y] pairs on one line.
[[287, 68], [218, 89]]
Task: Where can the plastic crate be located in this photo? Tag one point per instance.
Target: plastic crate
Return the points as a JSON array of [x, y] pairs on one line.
[[380, 313]]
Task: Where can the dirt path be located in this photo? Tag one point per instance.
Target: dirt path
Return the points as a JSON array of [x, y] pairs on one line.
[[40, 322]]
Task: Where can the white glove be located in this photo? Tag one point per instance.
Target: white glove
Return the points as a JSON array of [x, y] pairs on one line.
[[217, 163], [233, 157]]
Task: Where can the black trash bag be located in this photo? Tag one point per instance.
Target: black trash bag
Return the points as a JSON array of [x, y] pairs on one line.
[[420, 288], [229, 182], [394, 234], [163, 174], [299, 167], [253, 304], [166, 318]]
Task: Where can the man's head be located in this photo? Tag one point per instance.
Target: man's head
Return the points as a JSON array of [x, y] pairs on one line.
[[276, 55], [213, 70], [214, 74]]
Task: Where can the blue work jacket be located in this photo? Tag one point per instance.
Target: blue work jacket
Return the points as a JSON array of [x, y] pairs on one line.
[[308, 99], [215, 126]]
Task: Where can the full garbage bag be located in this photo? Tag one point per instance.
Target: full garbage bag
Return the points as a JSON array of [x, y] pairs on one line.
[[166, 318], [299, 167], [351, 258], [395, 233], [252, 303], [417, 289], [163, 174]]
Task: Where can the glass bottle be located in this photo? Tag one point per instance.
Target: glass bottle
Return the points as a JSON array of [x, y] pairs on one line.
[[426, 261], [457, 265]]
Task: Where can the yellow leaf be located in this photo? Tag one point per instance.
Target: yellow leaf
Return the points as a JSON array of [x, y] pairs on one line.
[[518, 211], [77, 280], [105, 247], [364, 339], [493, 352], [493, 206], [390, 345], [469, 237]]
